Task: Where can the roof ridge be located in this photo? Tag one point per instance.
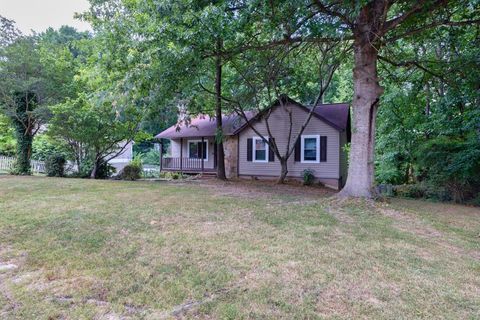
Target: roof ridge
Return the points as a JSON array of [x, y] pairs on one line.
[[323, 104]]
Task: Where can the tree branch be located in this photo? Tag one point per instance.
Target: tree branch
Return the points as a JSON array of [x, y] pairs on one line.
[[328, 11]]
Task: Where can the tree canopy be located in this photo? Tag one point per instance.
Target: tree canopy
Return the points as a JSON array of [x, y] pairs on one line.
[[408, 69]]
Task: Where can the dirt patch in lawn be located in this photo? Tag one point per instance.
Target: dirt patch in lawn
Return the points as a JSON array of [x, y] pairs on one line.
[[254, 189]]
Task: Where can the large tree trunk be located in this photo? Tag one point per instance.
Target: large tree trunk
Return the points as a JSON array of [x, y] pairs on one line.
[[367, 92], [218, 114]]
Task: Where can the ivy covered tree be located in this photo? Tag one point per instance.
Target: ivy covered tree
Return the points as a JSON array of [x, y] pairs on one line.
[[35, 73], [22, 95]]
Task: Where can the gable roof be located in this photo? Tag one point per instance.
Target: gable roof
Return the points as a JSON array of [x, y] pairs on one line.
[[337, 115], [204, 126]]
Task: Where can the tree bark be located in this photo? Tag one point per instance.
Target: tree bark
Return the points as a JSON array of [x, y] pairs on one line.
[[93, 174], [283, 171], [218, 114], [367, 92]]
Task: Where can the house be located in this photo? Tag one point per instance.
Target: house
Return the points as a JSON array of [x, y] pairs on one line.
[[123, 158], [320, 147]]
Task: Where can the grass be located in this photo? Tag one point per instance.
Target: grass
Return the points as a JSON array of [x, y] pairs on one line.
[[112, 250]]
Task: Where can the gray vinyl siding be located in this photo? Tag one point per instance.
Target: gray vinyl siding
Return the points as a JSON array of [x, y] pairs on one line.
[[343, 158], [279, 125], [175, 150]]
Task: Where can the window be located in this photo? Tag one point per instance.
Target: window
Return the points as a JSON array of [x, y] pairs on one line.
[[260, 150], [195, 149], [310, 149]]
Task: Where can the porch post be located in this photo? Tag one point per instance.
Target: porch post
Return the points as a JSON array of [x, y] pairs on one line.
[[161, 155], [203, 159], [181, 155]]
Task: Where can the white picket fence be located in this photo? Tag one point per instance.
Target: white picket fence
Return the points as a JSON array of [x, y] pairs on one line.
[[6, 163]]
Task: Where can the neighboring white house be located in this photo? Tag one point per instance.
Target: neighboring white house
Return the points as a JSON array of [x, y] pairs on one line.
[[120, 161]]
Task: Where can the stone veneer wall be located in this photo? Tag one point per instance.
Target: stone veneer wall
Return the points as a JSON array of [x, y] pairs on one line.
[[230, 145]]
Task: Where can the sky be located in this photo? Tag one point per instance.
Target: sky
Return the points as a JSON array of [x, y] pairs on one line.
[[38, 15]]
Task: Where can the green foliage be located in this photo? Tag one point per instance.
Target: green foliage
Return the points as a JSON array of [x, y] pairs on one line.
[[453, 164], [475, 201], [410, 191], [171, 175], [151, 157], [105, 171], [7, 137], [55, 165], [423, 190], [35, 72], [98, 127], [133, 170], [24, 106], [308, 177], [428, 120], [44, 146]]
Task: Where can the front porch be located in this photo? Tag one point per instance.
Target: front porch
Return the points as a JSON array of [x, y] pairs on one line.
[[190, 155]]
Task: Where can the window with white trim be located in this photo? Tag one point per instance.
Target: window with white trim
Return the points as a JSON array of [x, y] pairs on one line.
[[195, 149], [310, 149], [260, 150]]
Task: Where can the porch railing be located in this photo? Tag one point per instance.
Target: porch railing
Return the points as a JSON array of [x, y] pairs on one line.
[[183, 164]]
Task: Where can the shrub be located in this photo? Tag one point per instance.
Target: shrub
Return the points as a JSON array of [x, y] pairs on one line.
[[132, 171], [171, 175], [410, 191], [308, 177], [104, 171], [385, 190], [55, 165], [452, 164], [475, 201], [176, 175]]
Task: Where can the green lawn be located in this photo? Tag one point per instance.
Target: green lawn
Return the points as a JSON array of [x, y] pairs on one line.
[[85, 249]]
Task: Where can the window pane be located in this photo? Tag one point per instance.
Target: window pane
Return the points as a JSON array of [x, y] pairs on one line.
[[260, 144], [310, 149], [193, 148], [260, 155], [310, 143], [310, 155]]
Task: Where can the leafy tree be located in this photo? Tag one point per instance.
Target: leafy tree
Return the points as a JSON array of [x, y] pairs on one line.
[[260, 79], [7, 137], [96, 129], [35, 72], [8, 31], [22, 95], [431, 112], [181, 62], [165, 68], [373, 28]]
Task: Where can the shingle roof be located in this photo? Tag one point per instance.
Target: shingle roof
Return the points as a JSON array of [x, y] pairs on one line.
[[335, 114], [203, 126]]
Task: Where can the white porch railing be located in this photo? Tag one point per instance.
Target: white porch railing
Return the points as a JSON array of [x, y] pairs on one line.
[[186, 164]]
